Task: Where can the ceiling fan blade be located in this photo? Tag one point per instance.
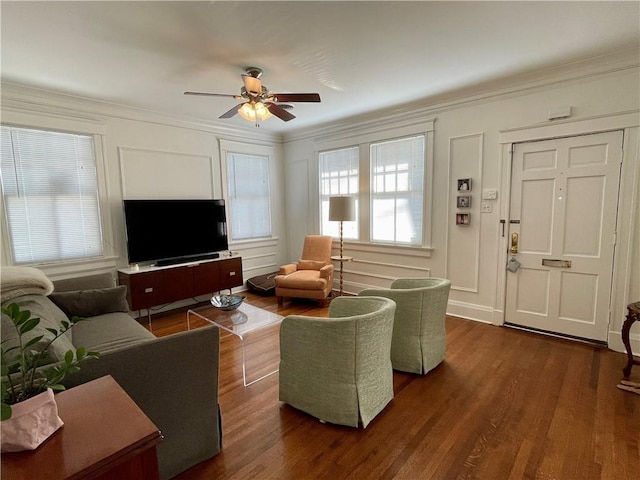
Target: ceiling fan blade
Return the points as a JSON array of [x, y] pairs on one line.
[[231, 112], [279, 112], [295, 97], [205, 94], [253, 85]]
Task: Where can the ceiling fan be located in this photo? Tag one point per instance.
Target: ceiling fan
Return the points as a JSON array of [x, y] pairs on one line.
[[258, 103]]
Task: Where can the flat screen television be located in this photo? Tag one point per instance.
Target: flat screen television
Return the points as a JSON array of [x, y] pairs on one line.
[[175, 231]]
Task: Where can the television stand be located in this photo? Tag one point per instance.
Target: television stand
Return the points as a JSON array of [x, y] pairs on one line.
[[152, 286], [175, 261]]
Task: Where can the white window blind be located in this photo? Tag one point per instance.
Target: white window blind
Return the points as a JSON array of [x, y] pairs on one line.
[[397, 190], [50, 194], [338, 176], [249, 193]]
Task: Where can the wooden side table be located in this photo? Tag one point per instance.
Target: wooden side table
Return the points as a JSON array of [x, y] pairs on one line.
[[105, 436], [633, 315]]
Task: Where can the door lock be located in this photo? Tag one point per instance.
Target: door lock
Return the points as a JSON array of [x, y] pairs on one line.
[[514, 243]]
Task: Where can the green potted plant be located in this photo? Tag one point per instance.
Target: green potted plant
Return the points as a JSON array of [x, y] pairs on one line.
[[28, 385]]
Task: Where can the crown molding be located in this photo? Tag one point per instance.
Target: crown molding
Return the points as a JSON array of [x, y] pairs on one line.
[[525, 83], [26, 99]]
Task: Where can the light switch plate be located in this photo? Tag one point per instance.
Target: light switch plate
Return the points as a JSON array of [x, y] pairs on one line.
[[490, 194]]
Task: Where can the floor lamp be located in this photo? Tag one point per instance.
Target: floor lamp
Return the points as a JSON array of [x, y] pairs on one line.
[[342, 209]]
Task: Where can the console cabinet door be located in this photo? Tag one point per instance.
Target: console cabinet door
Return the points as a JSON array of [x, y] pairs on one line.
[[144, 290], [205, 278], [230, 273], [178, 283]]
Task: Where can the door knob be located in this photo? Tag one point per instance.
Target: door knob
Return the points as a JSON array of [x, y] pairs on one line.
[[514, 243]]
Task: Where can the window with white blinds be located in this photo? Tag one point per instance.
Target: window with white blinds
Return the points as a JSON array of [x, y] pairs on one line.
[[50, 194], [397, 190], [248, 183], [339, 173]]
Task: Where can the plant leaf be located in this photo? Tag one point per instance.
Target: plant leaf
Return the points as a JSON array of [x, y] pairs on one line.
[[68, 357], [33, 341], [5, 411], [29, 325]]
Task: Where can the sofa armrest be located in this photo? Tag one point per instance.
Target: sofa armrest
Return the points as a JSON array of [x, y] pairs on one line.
[[174, 380], [326, 272], [287, 269]]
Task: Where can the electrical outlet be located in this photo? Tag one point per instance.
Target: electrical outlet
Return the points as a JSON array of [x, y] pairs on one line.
[[486, 208]]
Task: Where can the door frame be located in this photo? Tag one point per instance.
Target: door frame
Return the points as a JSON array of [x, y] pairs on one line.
[[627, 212]]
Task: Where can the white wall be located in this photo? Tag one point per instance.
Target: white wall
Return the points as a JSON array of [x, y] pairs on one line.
[[467, 144]]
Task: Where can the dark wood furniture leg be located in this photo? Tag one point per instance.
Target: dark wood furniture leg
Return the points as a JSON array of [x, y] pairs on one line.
[[633, 315]]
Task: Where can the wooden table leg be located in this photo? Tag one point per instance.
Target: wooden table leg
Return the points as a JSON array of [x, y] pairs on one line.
[[632, 316]]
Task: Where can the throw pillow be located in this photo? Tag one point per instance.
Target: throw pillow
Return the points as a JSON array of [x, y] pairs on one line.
[[89, 303], [310, 265], [50, 317]]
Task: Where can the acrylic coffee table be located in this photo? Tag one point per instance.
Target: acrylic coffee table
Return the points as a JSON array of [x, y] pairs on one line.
[[239, 322]]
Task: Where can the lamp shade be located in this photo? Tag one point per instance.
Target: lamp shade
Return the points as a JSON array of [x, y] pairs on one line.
[[342, 209]]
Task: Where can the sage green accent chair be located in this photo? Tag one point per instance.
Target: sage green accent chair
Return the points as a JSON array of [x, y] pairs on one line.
[[338, 369], [419, 336]]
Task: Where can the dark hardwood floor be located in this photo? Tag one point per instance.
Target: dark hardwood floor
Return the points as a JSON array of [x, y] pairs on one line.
[[505, 404]]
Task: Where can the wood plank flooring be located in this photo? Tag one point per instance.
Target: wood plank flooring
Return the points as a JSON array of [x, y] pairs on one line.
[[505, 404]]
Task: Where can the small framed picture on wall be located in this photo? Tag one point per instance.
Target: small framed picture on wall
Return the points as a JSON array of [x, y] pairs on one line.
[[463, 201], [464, 184], [462, 219]]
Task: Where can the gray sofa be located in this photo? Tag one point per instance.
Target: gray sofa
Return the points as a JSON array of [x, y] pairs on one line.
[[173, 379]]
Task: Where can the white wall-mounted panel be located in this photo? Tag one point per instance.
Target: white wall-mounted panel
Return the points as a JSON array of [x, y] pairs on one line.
[[463, 243], [153, 174]]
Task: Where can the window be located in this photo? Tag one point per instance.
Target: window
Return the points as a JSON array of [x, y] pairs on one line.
[[391, 182], [249, 196], [397, 192], [50, 194], [338, 176]]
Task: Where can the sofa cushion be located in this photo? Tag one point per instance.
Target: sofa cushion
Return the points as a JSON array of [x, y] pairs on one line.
[[303, 280], [110, 332], [50, 317], [89, 303], [85, 282], [310, 264]]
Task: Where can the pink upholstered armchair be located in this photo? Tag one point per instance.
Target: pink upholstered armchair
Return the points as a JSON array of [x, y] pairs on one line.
[[312, 276]]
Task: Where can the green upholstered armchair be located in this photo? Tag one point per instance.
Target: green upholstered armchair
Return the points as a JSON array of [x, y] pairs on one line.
[[419, 337], [338, 369]]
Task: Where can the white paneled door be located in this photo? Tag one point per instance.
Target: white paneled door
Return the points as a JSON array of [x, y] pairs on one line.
[[564, 197]]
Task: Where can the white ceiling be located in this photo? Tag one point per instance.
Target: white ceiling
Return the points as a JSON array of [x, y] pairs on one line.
[[360, 56]]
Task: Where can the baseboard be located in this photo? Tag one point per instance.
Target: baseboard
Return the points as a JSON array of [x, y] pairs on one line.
[[616, 344], [470, 311]]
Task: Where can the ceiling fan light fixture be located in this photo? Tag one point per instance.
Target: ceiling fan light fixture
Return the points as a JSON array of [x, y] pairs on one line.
[[254, 111]]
